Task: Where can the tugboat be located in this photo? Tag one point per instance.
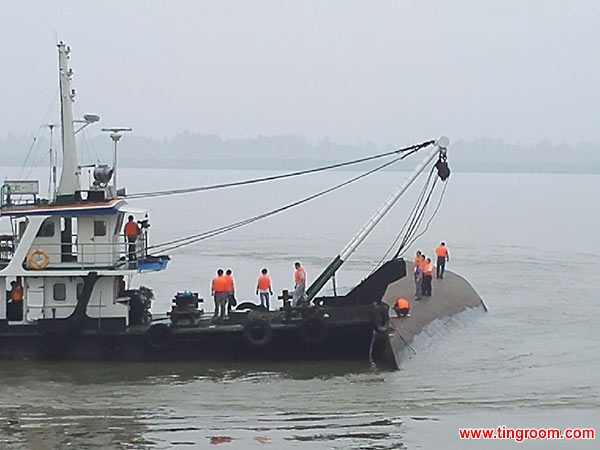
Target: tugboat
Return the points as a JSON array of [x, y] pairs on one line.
[[63, 270]]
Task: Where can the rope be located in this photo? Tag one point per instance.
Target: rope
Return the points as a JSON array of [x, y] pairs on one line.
[[177, 243], [430, 219], [418, 217], [415, 219], [37, 134], [408, 150]]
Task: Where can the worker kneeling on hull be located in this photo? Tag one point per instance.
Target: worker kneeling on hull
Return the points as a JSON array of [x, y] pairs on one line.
[[402, 307]]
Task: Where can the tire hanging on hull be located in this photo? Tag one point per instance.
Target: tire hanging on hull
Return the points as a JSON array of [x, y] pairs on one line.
[[159, 337], [53, 344], [110, 344], [313, 330], [257, 331]]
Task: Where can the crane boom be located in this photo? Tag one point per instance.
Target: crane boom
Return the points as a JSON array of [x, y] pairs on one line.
[[440, 149]]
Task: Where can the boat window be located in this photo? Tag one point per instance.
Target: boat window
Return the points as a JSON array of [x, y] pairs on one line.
[[79, 290], [119, 224], [23, 227], [60, 292], [99, 228], [47, 229]]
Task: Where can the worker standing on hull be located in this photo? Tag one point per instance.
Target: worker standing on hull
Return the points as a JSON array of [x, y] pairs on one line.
[[442, 254]]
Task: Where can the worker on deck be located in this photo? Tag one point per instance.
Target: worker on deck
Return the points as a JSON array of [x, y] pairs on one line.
[[417, 260], [442, 254], [131, 230], [299, 284], [219, 291], [402, 307], [418, 275], [231, 301], [264, 288], [16, 300], [427, 276]]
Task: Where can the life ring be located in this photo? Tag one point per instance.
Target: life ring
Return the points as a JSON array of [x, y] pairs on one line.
[[257, 331], [159, 336], [313, 329], [38, 259], [380, 317], [110, 344], [53, 343]]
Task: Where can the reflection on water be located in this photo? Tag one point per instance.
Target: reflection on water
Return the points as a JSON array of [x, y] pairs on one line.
[[49, 405]]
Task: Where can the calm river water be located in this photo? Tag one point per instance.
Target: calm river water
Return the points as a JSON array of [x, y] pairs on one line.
[[528, 243]]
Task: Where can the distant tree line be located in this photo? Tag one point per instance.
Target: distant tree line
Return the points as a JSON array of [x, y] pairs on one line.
[[210, 151]]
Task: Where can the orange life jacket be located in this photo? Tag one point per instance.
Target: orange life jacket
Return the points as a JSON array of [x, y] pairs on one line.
[[131, 229], [417, 261], [264, 282], [228, 283], [300, 275], [220, 284], [428, 269], [17, 293], [402, 303], [441, 251]]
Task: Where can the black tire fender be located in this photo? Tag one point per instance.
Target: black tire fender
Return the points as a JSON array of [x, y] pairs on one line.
[[110, 343], [257, 330], [159, 336], [313, 329], [53, 343], [380, 317], [249, 305]]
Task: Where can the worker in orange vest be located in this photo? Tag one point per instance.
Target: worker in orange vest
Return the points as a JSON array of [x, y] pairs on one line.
[[402, 307], [427, 276], [442, 254], [131, 230], [418, 276], [231, 301], [417, 260], [264, 289], [16, 301], [219, 291], [299, 284]]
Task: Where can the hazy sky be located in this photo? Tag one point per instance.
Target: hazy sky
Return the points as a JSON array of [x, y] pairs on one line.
[[382, 71]]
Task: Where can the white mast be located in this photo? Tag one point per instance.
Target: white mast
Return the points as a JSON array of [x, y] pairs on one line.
[[52, 179], [69, 177]]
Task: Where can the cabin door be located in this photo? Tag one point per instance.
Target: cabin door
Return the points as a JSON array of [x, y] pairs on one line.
[[3, 298], [34, 298], [86, 244]]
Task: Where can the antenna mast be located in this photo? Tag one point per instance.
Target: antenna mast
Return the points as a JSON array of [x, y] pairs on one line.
[[69, 177], [52, 179], [115, 135]]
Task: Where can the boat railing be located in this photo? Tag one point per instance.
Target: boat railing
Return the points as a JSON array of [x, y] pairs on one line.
[[85, 255], [20, 193]]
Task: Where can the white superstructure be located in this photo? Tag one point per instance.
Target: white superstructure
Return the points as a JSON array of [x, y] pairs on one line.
[[69, 252]]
